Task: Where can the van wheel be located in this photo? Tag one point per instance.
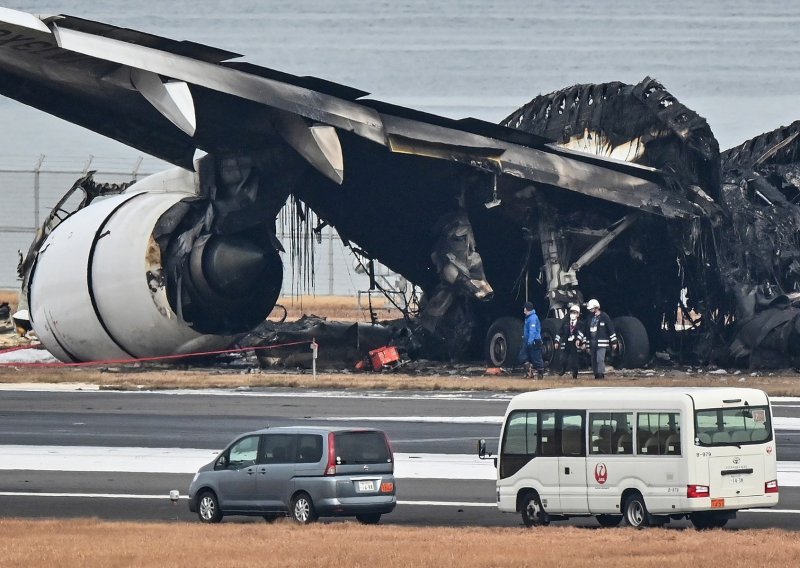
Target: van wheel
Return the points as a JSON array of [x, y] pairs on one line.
[[704, 521], [208, 508], [533, 514], [369, 518], [635, 512], [503, 342], [634, 345], [609, 521], [303, 510]]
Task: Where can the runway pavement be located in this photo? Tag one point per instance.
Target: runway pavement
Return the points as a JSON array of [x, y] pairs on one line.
[[117, 455]]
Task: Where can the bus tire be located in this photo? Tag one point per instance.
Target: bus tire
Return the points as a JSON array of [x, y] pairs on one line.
[[633, 345], [706, 520], [533, 514], [503, 342], [609, 521], [634, 511]]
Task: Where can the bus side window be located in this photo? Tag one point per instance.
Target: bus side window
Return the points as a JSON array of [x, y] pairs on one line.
[[658, 433], [572, 433], [624, 443], [672, 445], [601, 433], [549, 443]]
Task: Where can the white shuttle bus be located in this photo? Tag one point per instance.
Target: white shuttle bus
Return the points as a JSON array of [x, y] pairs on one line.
[[642, 455]]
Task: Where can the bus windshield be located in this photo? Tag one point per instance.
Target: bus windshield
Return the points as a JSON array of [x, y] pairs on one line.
[[732, 426]]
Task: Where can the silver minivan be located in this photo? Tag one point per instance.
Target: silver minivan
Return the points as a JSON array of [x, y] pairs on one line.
[[306, 472]]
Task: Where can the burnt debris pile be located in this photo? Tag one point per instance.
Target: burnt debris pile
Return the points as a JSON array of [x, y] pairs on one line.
[[724, 287]]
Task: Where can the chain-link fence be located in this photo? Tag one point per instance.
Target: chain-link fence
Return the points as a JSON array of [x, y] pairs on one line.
[[29, 191]]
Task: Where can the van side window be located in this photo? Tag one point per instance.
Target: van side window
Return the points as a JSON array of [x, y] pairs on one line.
[[309, 448], [658, 433], [243, 453], [610, 433], [277, 448]]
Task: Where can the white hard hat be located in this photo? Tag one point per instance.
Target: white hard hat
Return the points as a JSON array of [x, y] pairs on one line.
[[575, 308], [592, 304]]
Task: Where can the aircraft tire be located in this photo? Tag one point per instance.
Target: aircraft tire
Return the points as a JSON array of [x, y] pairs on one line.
[[503, 342], [634, 345], [550, 328]]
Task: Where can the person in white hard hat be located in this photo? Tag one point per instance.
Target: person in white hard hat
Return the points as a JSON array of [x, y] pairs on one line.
[[573, 338], [601, 337]]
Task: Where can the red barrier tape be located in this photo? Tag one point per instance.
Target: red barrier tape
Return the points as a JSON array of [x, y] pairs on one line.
[[20, 347], [145, 359]]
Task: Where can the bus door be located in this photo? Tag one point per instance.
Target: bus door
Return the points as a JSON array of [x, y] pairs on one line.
[[572, 462], [547, 461], [529, 455]]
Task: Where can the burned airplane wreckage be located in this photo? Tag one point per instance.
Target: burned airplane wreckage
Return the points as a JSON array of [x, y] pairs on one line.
[[612, 191]]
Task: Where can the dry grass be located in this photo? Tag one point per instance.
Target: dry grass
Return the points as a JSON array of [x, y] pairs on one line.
[[99, 544], [144, 378], [342, 308], [11, 297]]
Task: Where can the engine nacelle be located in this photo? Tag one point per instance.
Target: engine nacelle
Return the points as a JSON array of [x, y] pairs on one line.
[[98, 290]]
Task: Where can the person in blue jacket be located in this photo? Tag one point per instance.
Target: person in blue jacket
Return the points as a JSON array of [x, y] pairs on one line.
[[531, 353]]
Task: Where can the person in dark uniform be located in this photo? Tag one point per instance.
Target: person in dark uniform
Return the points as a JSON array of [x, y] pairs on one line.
[[531, 354], [569, 340], [602, 336]]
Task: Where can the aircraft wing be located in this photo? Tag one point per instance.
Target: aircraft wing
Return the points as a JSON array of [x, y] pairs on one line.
[[168, 98]]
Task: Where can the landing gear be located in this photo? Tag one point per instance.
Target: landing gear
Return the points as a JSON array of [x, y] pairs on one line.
[[633, 344], [550, 328], [503, 342]]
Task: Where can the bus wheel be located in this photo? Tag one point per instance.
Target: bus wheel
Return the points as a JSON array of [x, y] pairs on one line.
[[503, 342], [635, 512], [705, 520], [609, 521], [532, 512], [633, 343]]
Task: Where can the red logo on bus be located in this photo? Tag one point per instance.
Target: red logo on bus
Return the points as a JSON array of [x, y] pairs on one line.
[[600, 473]]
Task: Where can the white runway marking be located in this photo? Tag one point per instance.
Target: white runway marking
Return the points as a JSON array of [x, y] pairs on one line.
[[188, 461], [87, 495], [437, 419]]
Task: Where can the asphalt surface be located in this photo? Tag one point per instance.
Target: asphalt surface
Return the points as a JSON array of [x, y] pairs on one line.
[[421, 422]]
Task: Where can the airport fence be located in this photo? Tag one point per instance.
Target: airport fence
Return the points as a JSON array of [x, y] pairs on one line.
[[30, 188]]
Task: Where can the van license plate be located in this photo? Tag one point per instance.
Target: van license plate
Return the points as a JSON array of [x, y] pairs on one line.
[[366, 486], [717, 503]]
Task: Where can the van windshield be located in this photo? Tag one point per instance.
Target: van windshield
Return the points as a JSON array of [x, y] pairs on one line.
[[732, 426], [362, 448]]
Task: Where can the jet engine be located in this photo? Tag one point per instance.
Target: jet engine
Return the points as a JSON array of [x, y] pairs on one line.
[[135, 275]]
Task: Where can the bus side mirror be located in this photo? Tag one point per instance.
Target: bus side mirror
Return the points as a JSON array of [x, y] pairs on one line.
[[482, 453]]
